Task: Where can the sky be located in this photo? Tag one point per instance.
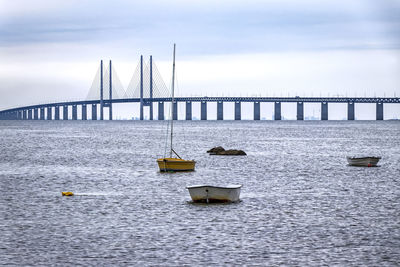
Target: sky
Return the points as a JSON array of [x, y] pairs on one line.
[[50, 49]]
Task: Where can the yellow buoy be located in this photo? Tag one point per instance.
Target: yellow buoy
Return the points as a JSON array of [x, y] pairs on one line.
[[67, 194]]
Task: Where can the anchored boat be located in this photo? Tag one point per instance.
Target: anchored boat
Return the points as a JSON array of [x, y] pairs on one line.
[[363, 161], [212, 194], [174, 163]]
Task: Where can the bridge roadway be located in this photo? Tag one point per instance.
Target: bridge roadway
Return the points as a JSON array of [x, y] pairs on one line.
[[36, 112]]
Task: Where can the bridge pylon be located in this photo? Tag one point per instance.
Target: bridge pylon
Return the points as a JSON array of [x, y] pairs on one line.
[[101, 91], [110, 94], [106, 86], [146, 84]]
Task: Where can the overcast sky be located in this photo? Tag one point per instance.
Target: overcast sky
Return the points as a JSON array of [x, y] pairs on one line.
[[50, 50]]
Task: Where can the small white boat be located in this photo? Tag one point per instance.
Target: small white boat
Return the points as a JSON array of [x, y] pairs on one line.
[[363, 161], [211, 194]]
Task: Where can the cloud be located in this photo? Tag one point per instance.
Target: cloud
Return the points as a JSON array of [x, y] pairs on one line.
[[206, 26]]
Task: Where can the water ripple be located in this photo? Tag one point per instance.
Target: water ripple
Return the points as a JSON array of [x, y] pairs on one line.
[[300, 203]]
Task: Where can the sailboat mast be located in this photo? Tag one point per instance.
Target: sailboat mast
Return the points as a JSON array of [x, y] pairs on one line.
[[172, 102]]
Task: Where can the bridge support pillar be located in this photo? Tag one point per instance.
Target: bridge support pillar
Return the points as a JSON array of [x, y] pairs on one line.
[[300, 111], [84, 112], [94, 112], [160, 111], [238, 114], [220, 110], [49, 113], [379, 111], [203, 110], [350, 111], [24, 114], [110, 112], [277, 111], [188, 110], [65, 113], [74, 112], [19, 115], [29, 114], [256, 116], [42, 113], [175, 110], [57, 113], [36, 114], [141, 110], [324, 111]]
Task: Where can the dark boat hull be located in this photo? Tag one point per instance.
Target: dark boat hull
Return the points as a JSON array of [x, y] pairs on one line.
[[363, 161]]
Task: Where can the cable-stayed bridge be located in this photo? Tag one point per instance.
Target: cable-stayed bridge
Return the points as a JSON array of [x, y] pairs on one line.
[[148, 89]]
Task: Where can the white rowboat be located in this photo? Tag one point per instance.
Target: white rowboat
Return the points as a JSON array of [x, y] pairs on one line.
[[211, 194], [363, 161]]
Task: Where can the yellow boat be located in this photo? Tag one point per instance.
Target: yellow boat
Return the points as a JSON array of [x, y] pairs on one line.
[[174, 164]]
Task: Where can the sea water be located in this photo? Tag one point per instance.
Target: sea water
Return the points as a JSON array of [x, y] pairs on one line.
[[301, 204]]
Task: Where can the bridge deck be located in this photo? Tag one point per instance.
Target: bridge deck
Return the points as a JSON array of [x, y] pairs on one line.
[[218, 99]]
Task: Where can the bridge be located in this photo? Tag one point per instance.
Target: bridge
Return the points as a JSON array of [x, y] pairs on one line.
[[148, 89]]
